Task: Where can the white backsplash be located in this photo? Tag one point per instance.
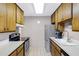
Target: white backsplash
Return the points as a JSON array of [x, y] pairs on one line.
[[72, 34], [4, 36]]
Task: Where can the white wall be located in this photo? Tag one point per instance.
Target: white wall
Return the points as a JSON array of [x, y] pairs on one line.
[[35, 31], [72, 34], [4, 36]]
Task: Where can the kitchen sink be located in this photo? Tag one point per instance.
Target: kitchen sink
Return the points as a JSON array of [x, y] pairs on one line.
[[70, 42]]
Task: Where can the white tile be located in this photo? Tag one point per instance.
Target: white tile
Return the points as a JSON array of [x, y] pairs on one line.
[[38, 52]]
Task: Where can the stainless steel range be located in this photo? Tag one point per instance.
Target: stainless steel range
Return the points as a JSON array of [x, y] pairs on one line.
[[14, 37]]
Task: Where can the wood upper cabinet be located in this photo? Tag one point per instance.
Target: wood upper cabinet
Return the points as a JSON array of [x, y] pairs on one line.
[[56, 19], [53, 18], [2, 17], [56, 16], [62, 14], [75, 20], [20, 16], [20, 50], [60, 9], [11, 17], [66, 11], [7, 17]]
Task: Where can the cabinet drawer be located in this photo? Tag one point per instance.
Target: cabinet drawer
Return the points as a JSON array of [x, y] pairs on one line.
[[56, 46], [20, 48]]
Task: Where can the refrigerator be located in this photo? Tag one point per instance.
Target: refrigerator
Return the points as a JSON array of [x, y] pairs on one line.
[[49, 32]]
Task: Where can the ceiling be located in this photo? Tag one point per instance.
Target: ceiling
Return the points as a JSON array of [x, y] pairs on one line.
[[29, 9]]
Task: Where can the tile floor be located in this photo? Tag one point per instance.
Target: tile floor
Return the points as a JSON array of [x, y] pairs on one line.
[[37, 52]]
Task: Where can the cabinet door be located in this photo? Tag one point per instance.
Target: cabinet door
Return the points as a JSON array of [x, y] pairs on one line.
[[56, 20], [56, 53], [51, 49], [20, 16], [75, 20], [55, 50], [11, 17], [20, 48], [66, 11], [2, 17], [53, 18], [20, 53], [60, 13], [56, 16]]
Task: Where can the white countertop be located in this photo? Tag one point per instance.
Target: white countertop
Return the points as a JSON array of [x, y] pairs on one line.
[[9, 47], [72, 50]]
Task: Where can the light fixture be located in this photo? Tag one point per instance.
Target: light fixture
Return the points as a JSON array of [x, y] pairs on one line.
[[39, 8], [38, 22]]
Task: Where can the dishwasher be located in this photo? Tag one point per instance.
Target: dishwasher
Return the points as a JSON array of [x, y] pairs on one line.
[[27, 44]]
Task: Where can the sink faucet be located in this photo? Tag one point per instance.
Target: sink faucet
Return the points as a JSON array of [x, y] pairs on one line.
[[68, 39]]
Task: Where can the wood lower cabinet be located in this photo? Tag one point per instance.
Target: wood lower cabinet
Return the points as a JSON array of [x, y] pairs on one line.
[[56, 53], [55, 49], [20, 48], [14, 53], [19, 51]]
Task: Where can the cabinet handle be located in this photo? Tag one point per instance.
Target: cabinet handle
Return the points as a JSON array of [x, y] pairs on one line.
[[7, 28], [4, 29]]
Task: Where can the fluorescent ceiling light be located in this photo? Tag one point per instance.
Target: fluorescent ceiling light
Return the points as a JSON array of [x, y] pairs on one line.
[[39, 8]]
